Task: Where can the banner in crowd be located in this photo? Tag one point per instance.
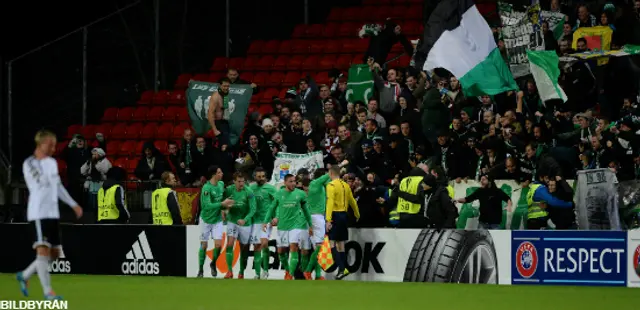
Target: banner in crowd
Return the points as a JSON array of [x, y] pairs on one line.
[[288, 163], [594, 258], [556, 22], [102, 249], [601, 56], [482, 256], [597, 200], [198, 96], [598, 38], [521, 31], [359, 84], [514, 220]]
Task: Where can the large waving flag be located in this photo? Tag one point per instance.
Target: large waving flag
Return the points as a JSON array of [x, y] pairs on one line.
[[544, 67], [457, 38]]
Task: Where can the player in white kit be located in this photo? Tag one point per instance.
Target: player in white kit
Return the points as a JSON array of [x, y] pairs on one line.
[[45, 188]]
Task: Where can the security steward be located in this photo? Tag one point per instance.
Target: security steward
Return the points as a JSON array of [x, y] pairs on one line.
[[164, 202], [442, 180], [112, 207], [538, 198]]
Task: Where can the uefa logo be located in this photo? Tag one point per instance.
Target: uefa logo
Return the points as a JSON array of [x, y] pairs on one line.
[[526, 259], [636, 260]]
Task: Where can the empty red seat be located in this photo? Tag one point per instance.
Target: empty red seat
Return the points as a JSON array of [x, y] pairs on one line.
[[285, 47], [183, 115], [411, 28], [349, 45], [275, 79], [333, 47], [104, 129], [128, 148], [348, 29], [72, 130], [268, 95], [113, 147], [357, 59], [149, 131], [139, 148], [132, 164], [413, 13], [265, 109], [215, 77], [124, 114], [282, 93], [178, 132], [351, 14], [398, 12], [281, 63], [121, 162], [265, 63], [161, 97], [171, 114], [165, 130], [404, 61], [335, 15], [62, 166], [343, 62], [146, 97], [322, 78], [61, 146], [183, 81], [299, 31], [260, 78], [119, 131], [177, 97], [310, 63], [300, 47], [361, 45], [327, 62], [316, 46], [110, 115], [161, 145], [255, 47], [366, 14], [382, 13], [295, 62], [202, 77], [329, 31], [314, 31], [140, 114], [271, 47], [251, 62], [291, 79], [220, 64], [236, 63], [88, 132], [247, 76], [133, 131]]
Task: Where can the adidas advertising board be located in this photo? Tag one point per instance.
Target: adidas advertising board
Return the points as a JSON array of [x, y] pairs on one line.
[[60, 264], [140, 259]]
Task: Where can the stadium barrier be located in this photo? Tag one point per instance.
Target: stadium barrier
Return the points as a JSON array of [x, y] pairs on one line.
[[593, 258]]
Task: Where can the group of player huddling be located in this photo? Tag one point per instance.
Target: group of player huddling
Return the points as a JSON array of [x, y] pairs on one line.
[[250, 212]]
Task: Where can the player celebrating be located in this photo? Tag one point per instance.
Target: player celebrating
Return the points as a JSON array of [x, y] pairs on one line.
[[264, 193], [211, 205], [317, 199], [41, 175], [293, 220], [239, 222]]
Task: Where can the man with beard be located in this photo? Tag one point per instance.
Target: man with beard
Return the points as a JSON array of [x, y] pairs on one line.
[[219, 100], [446, 153], [491, 198], [264, 193]]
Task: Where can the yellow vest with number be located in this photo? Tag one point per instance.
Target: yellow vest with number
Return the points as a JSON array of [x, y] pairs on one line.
[[451, 191], [107, 209], [160, 208], [409, 185], [535, 209]]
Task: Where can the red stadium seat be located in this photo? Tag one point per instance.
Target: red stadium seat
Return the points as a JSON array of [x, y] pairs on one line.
[[285, 47], [295, 62], [413, 13], [275, 79], [271, 47], [335, 15], [299, 31], [260, 78], [265, 109], [398, 12], [165, 130], [104, 129], [351, 14], [327, 62], [316, 46], [349, 46], [404, 61], [183, 81], [214, 77], [177, 97], [343, 62], [382, 13], [269, 94], [183, 115], [88, 132], [161, 97], [178, 132], [333, 47], [252, 108], [121, 162], [149, 131], [314, 31], [291, 79], [128, 148], [146, 97], [124, 114], [255, 47], [411, 28], [140, 114], [113, 147], [236, 63], [250, 63], [119, 131], [281, 63], [139, 148], [323, 78], [357, 59], [329, 31], [134, 130], [300, 47], [171, 114], [220, 64], [110, 115], [132, 164], [349, 30], [361, 45], [282, 93], [62, 166], [248, 76], [366, 14], [201, 77], [265, 63], [310, 63], [61, 146], [161, 145], [72, 130]]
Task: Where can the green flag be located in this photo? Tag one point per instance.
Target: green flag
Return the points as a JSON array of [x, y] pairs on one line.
[[236, 106], [544, 67], [360, 84]]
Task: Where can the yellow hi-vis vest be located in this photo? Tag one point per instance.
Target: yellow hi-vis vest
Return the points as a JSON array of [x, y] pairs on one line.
[[107, 209], [409, 185], [394, 217], [160, 208], [535, 210], [451, 191]]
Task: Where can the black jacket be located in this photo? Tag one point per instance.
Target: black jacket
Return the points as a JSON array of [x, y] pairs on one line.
[[491, 199]]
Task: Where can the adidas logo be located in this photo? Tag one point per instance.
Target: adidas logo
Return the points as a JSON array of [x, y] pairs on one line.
[[140, 259], [60, 265]]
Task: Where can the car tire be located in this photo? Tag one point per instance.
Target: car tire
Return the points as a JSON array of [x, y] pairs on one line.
[[453, 256]]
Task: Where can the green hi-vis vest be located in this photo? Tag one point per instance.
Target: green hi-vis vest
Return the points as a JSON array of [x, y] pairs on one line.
[[535, 208], [394, 217], [409, 185], [451, 191], [107, 209], [159, 207]]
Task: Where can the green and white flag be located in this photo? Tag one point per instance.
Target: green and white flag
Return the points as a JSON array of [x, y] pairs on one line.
[[544, 67], [359, 84], [235, 104], [555, 21]]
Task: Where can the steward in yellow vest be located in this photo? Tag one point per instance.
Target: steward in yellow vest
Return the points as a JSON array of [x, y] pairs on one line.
[[538, 198], [112, 207], [164, 202]]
